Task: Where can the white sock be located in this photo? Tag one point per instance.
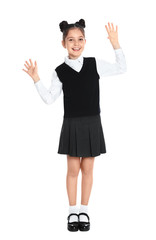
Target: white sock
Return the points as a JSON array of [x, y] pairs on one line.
[[73, 209], [83, 209]]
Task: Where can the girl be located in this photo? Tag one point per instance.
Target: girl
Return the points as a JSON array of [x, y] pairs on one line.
[[81, 137]]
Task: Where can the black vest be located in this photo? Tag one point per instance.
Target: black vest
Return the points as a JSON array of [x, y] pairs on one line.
[[81, 89]]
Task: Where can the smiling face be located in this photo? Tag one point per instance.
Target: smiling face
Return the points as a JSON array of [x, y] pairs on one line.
[[74, 43]]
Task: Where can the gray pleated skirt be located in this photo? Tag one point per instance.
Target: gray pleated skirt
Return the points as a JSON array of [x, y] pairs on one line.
[[82, 137]]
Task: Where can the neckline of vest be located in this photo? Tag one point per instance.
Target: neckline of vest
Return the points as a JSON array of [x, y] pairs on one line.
[[84, 61]]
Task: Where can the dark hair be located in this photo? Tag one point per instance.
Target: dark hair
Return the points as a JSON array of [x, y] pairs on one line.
[[65, 27]]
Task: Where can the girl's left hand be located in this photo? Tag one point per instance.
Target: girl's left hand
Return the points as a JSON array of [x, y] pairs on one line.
[[113, 35]]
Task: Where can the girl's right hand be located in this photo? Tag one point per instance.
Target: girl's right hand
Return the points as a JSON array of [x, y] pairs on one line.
[[32, 70]]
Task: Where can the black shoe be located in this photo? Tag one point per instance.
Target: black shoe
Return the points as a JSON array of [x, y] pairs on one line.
[[73, 226], [84, 226]]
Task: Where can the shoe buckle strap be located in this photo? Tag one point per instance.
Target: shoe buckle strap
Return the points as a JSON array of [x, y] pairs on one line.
[[75, 214], [84, 214]]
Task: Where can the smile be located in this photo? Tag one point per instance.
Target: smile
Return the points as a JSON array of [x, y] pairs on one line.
[[76, 49]]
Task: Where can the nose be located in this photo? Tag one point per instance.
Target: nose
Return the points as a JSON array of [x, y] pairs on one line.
[[76, 42]]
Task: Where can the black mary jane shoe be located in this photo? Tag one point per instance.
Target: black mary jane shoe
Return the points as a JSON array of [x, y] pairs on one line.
[[84, 226], [73, 226]]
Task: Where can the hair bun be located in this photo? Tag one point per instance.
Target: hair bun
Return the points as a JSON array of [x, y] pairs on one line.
[[81, 22], [63, 25]]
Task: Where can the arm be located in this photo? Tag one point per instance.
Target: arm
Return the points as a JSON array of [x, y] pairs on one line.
[[51, 94], [47, 95], [105, 68]]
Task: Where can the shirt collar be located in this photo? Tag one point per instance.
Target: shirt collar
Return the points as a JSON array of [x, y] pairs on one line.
[[73, 61]]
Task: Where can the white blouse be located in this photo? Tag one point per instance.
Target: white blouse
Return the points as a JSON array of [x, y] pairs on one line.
[[104, 69]]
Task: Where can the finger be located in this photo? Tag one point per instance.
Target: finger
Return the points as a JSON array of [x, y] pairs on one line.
[[107, 29], [24, 70], [109, 26], [27, 63], [116, 28], [31, 62], [26, 66], [112, 26]]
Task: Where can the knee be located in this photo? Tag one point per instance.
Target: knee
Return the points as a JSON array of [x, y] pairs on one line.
[[87, 169], [73, 166], [73, 172]]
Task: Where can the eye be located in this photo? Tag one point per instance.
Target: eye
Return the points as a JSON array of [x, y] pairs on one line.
[[81, 39], [70, 39]]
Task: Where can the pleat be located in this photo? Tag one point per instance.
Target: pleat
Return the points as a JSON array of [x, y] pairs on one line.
[[94, 133], [90, 141], [82, 137], [73, 140]]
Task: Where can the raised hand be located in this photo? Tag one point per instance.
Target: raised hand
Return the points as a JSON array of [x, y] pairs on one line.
[[32, 70], [113, 35]]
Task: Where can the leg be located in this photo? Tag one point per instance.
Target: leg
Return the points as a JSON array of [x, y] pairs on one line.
[[87, 164], [73, 164]]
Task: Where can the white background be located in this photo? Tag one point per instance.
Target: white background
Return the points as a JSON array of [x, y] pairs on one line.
[[33, 198]]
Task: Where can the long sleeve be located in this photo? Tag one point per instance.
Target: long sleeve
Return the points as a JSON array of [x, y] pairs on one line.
[[107, 69], [51, 94]]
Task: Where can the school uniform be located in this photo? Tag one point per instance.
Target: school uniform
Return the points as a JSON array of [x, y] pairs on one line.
[[81, 132]]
